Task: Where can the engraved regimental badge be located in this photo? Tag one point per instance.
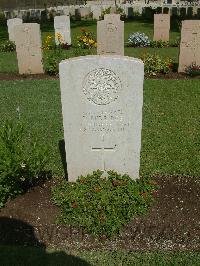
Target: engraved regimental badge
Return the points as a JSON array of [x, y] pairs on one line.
[[101, 86]]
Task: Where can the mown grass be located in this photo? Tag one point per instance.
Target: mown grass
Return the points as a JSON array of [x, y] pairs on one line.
[[8, 61], [23, 256], [170, 135]]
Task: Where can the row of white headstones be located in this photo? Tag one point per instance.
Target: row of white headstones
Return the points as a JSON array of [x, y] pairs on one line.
[[110, 39], [96, 10], [102, 98]]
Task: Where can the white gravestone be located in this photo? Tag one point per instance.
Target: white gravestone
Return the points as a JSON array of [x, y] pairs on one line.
[[110, 35], [161, 27], [102, 98], [11, 23], [190, 44], [28, 48], [96, 11], [62, 26]]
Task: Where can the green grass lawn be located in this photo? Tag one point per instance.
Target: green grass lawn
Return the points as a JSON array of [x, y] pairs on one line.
[[23, 256], [8, 61], [170, 136], [170, 140]]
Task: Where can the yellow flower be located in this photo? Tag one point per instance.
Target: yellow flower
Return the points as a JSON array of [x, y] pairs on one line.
[[91, 41]]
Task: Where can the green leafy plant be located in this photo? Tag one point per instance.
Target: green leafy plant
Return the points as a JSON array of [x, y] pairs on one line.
[[52, 60], [120, 11], [163, 44], [193, 70], [159, 44], [3, 20], [7, 46], [22, 164], [82, 52], [175, 43], [154, 64], [103, 205]]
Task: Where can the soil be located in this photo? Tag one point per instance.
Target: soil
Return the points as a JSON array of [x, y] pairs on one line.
[[13, 76], [172, 223]]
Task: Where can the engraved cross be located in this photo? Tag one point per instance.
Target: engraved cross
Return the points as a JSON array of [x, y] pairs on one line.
[[103, 149]]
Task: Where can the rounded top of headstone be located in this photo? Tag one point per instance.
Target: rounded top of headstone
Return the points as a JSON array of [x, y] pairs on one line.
[[110, 58]]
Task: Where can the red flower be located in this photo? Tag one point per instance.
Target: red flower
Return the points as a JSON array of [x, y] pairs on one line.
[[154, 193], [74, 205], [144, 195], [196, 67], [170, 65]]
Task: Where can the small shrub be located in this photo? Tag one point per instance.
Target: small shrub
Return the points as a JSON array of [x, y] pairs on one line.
[[22, 164], [163, 44], [175, 43], [82, 52], [120, 11], [52, 60], [159, 44], [155, 64], [86, 40], [102, 206], [138, 39], [193, 70], [7, 46]]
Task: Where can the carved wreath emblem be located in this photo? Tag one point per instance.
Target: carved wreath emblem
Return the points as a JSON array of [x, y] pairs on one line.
[[101, 86]]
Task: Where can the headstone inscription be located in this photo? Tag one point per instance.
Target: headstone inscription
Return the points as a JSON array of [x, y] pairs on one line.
[[102, 98], [28, 48]]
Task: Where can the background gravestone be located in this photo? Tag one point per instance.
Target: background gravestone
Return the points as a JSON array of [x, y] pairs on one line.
[[11, 23], [161, 27], [96, 11], [83, 12], [190, 44], [102, 98], [110, 35], [62, 26], [28, 48]]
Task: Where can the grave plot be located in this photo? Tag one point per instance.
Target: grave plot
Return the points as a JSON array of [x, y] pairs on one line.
[[106, 113]]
